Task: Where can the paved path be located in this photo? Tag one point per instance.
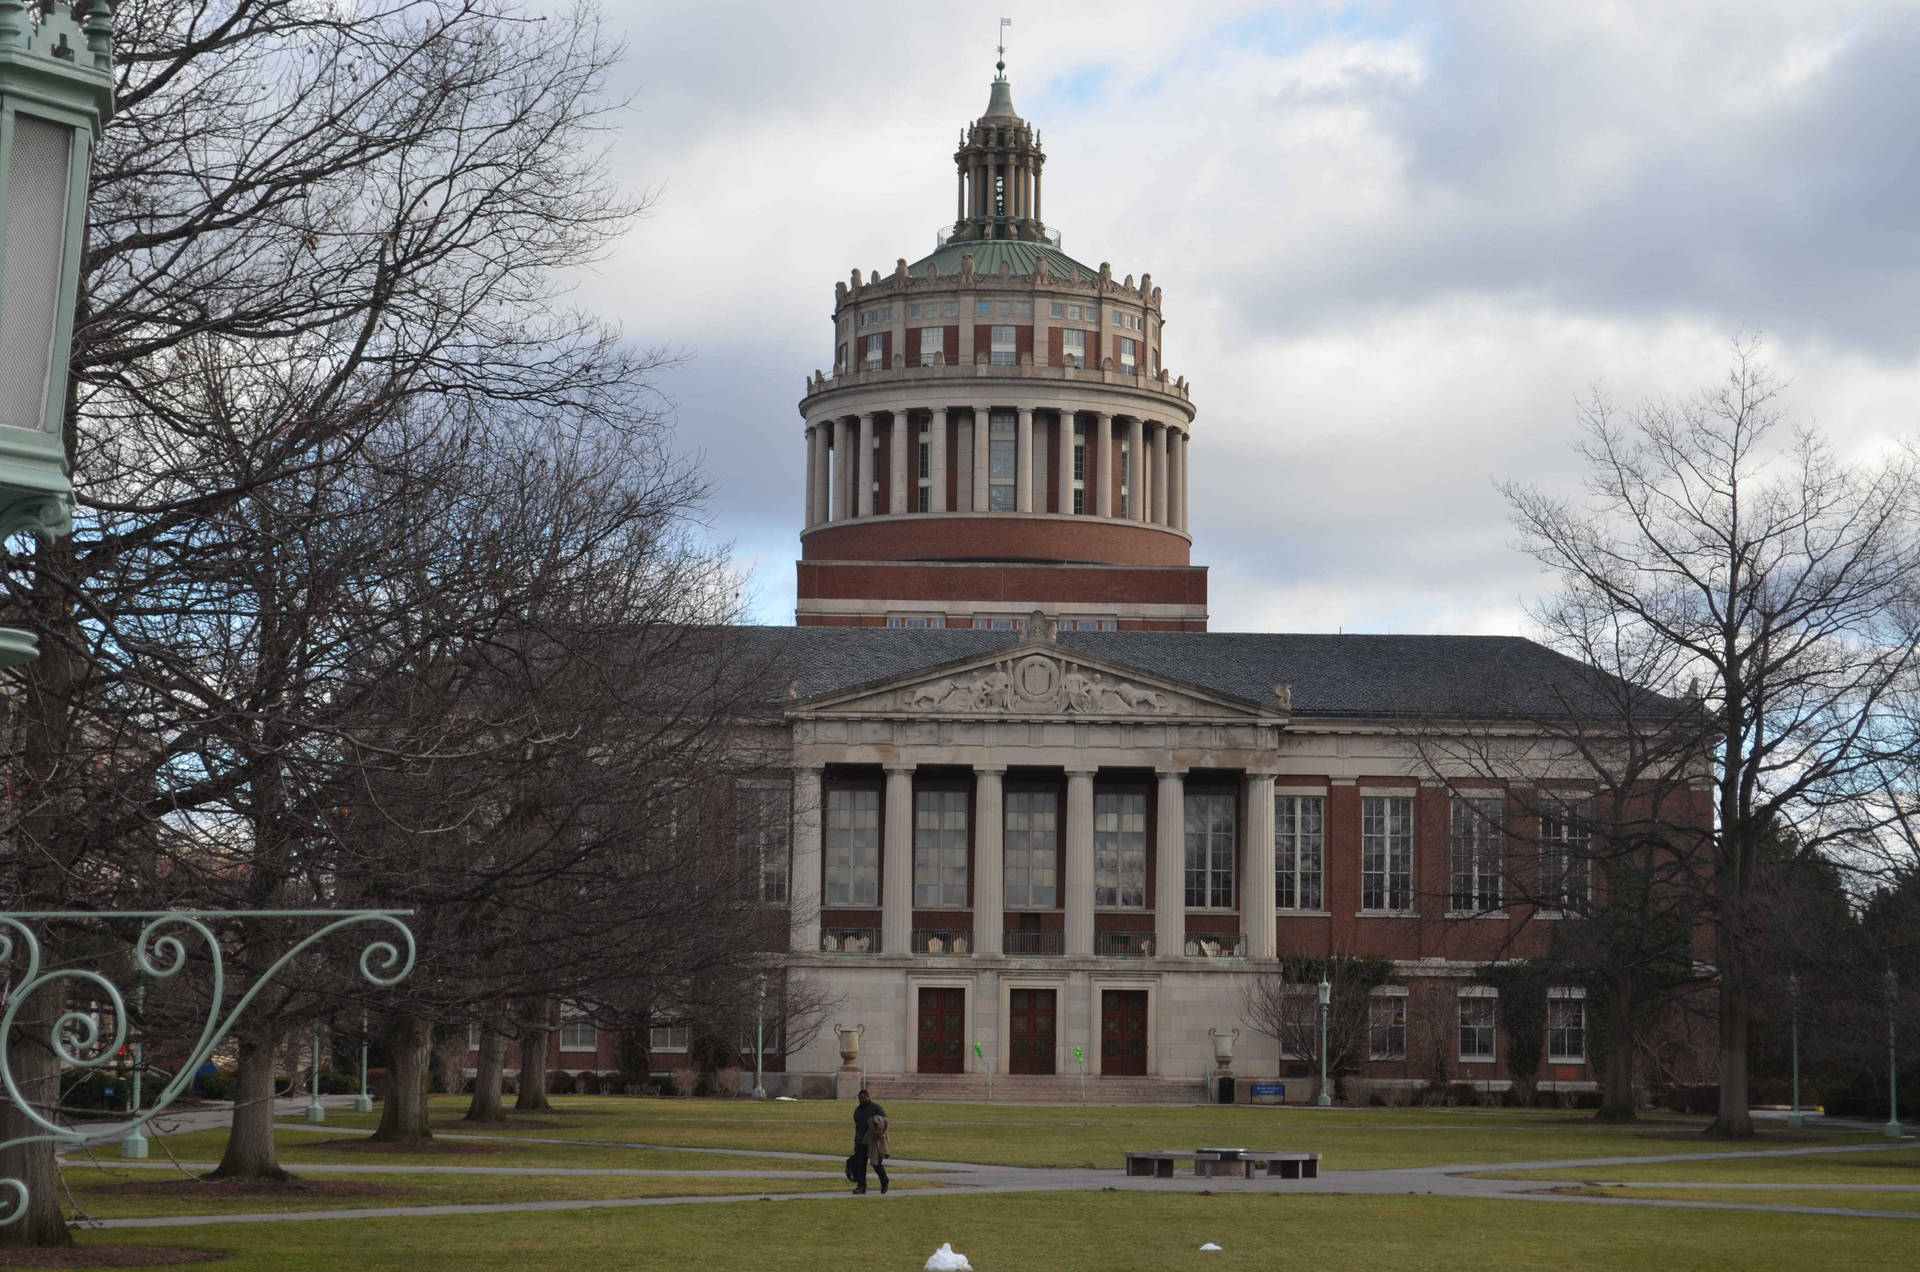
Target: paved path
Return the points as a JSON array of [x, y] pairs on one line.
[[958, 1178]]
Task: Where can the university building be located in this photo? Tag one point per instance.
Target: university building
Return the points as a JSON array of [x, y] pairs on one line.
[[1045, 823]]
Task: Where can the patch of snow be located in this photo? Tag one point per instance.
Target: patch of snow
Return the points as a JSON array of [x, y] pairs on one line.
[[945, 1259], [784, 1099], [1209, 1246]]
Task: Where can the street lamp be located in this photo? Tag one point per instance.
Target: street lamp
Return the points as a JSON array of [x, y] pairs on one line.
[[315, 1113], [56, 90], [1893, 1128], [363, 1102], [1796, 1118], [1325, 1098]]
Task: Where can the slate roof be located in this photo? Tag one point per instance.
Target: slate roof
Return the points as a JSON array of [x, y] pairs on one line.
[[1335, 676], [1020, 255]]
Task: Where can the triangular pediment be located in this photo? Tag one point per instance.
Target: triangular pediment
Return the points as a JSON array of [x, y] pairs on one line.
[[1036, 680]]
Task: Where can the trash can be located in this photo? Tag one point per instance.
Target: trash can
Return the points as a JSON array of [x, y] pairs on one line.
[[1226, 1089]]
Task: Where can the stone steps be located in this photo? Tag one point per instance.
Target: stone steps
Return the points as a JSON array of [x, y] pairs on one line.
[[1034, 1088]]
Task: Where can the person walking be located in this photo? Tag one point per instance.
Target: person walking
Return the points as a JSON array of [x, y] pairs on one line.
[[869, 1143]]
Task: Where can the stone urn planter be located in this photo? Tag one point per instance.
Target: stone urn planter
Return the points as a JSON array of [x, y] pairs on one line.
[[849, 1044], [1223, 1047]]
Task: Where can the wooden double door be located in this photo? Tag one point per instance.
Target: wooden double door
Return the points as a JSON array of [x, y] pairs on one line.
[[1032, 1021], [1123, 1032], [943, 1031]]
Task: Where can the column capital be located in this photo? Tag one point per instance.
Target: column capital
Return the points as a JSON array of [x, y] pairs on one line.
[[908, 769], [1073, 770], [1165, 771], [989, 770]]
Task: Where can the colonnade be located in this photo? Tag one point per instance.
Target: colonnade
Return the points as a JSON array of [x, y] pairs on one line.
[[1254, 874], [843, 463]]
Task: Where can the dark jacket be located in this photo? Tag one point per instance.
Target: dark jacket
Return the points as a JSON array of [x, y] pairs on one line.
[[863, 1114]]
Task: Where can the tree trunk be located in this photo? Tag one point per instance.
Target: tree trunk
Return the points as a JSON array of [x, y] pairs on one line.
[[1616, 1083], [488, 1072], [38, 1075], [403, 1118], [533, 1061], [1734, 1119], [250, 1150]]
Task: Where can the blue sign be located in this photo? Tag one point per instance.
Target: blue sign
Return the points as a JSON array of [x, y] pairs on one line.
[[1270, 1088]]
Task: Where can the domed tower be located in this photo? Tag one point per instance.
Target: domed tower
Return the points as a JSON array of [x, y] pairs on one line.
[[999, 434]]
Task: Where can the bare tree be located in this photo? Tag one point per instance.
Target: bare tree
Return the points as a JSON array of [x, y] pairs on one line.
[[1284, 1005], [1770, 586]]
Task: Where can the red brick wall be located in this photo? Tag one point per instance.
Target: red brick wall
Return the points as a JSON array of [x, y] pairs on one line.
[[1003, 537]]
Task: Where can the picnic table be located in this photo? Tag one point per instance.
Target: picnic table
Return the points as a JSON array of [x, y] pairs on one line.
[[1212, 1163]]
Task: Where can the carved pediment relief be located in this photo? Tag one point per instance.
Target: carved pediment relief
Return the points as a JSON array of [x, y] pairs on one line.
[[1038, 684]]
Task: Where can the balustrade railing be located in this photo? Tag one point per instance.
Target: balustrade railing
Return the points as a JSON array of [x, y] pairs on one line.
[[850, 940], [1216, 945], [942, 941], [1027, 944], [1123, 944]]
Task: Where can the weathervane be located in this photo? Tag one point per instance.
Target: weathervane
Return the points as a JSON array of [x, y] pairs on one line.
[[1001, 65]]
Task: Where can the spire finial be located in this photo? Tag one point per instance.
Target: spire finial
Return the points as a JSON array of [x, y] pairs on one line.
[[1001, 66]]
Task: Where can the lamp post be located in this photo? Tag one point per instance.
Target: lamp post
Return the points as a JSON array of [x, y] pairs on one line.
[[315, 1113], [1325, 1098], [363, 1102], [760, 1038], [1893, 1128], [56, 90], [133, 1146], [1796, 1118]]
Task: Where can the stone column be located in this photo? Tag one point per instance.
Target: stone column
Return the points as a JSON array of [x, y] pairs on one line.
[[981, 432], [896, 874], [1023, 462], [1257, 884], [1077, 878], [1170, 883], [1181, 485], [842, 468], [813, 458], [1159, 509], [989, 861], [1176, 488], [1103, 466], [1136, 469], [903, 476], [822, 473], [937, 462], [863, 466], [804, 910], [1063, 462]]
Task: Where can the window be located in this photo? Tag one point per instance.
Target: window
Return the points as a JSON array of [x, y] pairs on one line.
[[983, 624], [1032, 850], [473, 1036], [1126, 477], [1023, 309], [1120, 850], [1002, 308], [1073, 348], [1386, 852], [1565, 850], [923, 468], [1079, 467], [1476, 853], [916, 621], [1088, 624], [1126, 354], [1566, 1026], [852, 847], [765, 829], [1073, 313], [1210, 844], [1002, 430], [873, 352], [913, 311], [1003, 346], [1387, 1024], [1057, 310], [933, 343], [667, 1038], [840, 359], [985, 309], [1476, 1025], [579, 1034], [1299, 842], [940, 848]]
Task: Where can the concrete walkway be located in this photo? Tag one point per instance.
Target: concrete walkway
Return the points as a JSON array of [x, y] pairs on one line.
[[958, 1178]]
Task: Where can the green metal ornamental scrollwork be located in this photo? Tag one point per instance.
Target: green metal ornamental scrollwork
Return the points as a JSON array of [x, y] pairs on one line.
[[161, 952]]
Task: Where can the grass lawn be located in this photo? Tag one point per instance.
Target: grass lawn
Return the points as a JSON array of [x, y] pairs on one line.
[[1847, 1199], [1089, 1232], [109, 1194], [297, 1147], [1897, 1166], [1072, 1135]]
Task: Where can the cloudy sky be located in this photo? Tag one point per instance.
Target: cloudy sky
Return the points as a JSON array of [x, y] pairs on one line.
[[1397, 242]]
